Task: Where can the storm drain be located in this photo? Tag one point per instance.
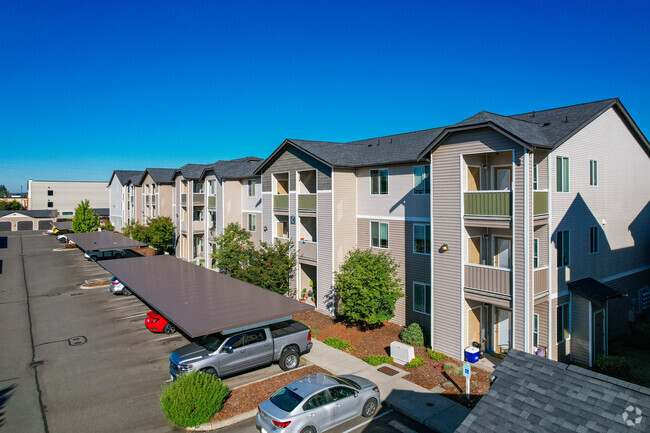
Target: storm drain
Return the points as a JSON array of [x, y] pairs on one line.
[[77, 341], [76, 294], [36, 363]]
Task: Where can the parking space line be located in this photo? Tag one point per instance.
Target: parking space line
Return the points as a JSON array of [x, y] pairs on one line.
[[126, 306], [168, 337], [368, 421], [132, 316]]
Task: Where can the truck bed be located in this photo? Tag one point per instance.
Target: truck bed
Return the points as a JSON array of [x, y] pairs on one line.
[[285, 328]]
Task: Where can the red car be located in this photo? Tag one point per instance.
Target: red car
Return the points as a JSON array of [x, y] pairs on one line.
[[157, 323]]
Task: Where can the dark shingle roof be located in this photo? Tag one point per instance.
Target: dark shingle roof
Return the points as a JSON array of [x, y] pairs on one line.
[[44, 213], [136, 178], [161, 175], [192, 171], [531, 394], [124, 176], [237, 168]]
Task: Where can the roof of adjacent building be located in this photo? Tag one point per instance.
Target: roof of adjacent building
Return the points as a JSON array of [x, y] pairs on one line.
[[161, 175], [547, 129], [240, 168], [124, 176], [198, 300], [104, 240], [44, 213], [531, 393], [593, 290]]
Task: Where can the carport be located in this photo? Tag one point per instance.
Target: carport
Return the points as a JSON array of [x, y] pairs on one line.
[[200, 301], [61, 225], [103, 240]]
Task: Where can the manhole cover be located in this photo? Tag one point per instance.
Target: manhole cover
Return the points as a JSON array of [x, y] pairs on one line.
[[77, 341], [36, 364], [388, 371], [76, 294]]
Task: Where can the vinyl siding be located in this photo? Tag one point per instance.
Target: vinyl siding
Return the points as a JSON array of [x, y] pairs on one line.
[[115, 197], [292, 160], [541, 159], [267, 218], [232, 202], [619, 308], [580, 329], [345, 214], [254, 202], [560, 352], [325, 283], [541, 308]]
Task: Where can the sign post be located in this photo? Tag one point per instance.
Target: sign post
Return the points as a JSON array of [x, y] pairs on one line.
[[467, 372]]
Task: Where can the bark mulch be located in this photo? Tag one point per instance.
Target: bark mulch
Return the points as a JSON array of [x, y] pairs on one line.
[[377, 342], [145, 251], [99, 283], [248, 397]]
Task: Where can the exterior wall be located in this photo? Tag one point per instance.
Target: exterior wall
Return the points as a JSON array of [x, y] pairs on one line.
[[164, 200], [67, 195], [559, 351], [252, 205], [292, 161], [15, 218], [618, 313], [345, 214], [232, 206], [541, 309], [580, 329], [115, 207], [325, 253]]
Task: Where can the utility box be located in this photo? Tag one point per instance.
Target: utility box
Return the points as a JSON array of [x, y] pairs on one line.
[[401, 353]]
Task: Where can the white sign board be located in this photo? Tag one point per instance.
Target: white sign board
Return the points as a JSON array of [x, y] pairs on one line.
[[467, 369]]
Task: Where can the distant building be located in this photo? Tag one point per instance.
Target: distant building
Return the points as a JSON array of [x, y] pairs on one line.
[[66, 195], [19, 199]]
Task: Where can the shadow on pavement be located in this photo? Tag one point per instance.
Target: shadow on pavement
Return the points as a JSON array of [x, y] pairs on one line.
[[5, 395]]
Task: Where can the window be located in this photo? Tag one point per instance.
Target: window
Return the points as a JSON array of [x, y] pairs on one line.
[[50, 204], [236, 342], [562, 323], [50, 192], [213, 219], [255, 337], [535, 330], [379, 181], [379, 234], [421, 239], [68, 213], [316, 401], [212, 184], [198, 215], [421, 183], [283, 229], [562, 174], [535, 177], [252, 222], [422, 298], [593, 173], [198, 187], [535, 253], [251, 188], [593, 240], [340, 392], [562, 244]]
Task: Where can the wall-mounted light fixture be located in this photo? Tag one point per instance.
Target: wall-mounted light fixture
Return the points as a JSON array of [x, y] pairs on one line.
[[265, 228], [444, 247], [486, 236]]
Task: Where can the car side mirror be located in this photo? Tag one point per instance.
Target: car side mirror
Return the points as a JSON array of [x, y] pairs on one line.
[[356, 394], [227, 349]]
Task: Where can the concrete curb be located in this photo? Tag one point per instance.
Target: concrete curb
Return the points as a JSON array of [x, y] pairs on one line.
[[63, 249], [226, 422]]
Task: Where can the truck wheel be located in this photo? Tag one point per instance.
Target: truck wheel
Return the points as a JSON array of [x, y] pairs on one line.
[[169, 329], [289, 360], [126, 292], [211, 371]]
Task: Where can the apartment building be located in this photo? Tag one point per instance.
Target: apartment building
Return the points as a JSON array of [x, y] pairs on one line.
[[157, 193], [64, 196], [122, 199], [208, 197]]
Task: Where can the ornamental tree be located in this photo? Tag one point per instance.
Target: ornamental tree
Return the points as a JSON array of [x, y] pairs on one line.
[[84, 219], [234, 249], [367, 287], [160, 233], [271, 266]]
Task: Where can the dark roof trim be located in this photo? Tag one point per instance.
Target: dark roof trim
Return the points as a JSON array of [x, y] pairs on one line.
[[276, 154], [631, 124], [593, 290]]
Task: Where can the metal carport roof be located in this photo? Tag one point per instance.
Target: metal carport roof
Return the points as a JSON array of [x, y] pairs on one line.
[[62, 225], [103, 240], [197, 300]]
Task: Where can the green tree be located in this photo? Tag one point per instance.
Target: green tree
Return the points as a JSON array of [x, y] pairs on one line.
[[4, 192], [108, 226], [84, 219], [234, 250], [135, 231], [10, 205], [160, 234], [272, 266], [368, 287]]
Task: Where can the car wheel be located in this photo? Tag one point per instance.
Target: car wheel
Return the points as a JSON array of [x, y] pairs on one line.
[[93, 258], [289, 359], [118, 256], [126, 292], [369, 408], [211, 371], [308, 429], [169, 329]]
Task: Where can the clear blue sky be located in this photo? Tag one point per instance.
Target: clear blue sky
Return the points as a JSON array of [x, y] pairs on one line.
[[87, 87]]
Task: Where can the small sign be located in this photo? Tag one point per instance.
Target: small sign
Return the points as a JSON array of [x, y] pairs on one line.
[[293, 220], [467, 369]]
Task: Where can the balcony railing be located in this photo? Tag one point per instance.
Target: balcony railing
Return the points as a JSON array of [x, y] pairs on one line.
[[540, 202], [212, 201], [489, 278], [198, 226], [541, 280], [307, 202], [184, 199], [281, 201], [198, 199], [488, 203], [307, 250]]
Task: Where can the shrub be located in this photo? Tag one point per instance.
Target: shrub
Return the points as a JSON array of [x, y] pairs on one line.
[[436, 356], [612, 365], [378, 359], [415, 362], [193, 399], [337, 343], [450, 368], [412, 335]]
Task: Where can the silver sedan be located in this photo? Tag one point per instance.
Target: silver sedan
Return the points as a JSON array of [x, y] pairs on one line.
[[317, 403]]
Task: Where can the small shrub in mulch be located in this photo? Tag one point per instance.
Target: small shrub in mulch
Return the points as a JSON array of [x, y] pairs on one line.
[[378, 359], [452, 369], [337, 343], [412, 335], [69, 246], [436, 356], [415, 362]]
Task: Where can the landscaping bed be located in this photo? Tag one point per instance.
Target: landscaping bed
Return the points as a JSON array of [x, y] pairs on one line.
[[377, 341], [99, 283], [145, 251]]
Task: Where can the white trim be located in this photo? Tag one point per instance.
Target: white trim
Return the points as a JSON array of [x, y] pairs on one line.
[[425, 297], [527, 261], [267, 192], [463, 313], [394, 218], [590, 174], [549, 253], [251, 211], [379, 234], [533, 330], [332, 210], [387, 180], [591, 331], [425, 239], [431, 337], [322, 190], [623, 274], [489, 267], [536, 242], [513, 292], [512, 175]]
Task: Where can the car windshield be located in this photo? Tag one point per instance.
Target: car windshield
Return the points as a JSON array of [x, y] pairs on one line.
[[211, 342], [286, 399], [347, 382]]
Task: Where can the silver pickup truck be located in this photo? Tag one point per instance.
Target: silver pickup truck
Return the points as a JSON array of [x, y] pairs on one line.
[[224, 355]]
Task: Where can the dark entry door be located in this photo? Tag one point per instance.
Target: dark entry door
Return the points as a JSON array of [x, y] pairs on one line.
[[599, 333]]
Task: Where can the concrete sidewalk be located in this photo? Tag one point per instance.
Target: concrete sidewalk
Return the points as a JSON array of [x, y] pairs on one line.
[[428, 408]]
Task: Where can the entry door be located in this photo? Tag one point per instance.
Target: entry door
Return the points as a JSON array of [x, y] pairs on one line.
[[600, 347], [502, 178], [503, 246], [474, 320], [503, 330], [473, 178]]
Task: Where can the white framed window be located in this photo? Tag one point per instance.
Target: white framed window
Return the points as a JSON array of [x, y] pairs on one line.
[[252, 222], [563, 329], [593, 240], [251, 187], [562, 244], [422, 238], [421, 182], [198, 187], [535, 184], [593, 173], [536, 330], [379, 181], [378, 234], [535, 253], [198, 215], [213, 186], [213, 219], [422, 298], [562, 173]]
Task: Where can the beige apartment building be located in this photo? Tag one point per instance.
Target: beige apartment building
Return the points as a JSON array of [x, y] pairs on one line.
[[64, 196]]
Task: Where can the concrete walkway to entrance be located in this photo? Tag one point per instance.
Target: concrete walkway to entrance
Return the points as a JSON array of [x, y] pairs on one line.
[[431, 409]]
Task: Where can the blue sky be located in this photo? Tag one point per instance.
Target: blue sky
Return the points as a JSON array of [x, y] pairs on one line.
[[87, 87]]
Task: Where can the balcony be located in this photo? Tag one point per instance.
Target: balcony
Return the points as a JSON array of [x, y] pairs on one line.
[[540, 202], [541, 280], [489, 278], [198, 226], [184, 199], [281, 202], [307, 250], [198, 199], [147, 199], [488, 203], [212, 202], [307, 202]]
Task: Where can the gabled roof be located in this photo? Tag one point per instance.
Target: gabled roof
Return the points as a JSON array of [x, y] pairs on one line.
[[124, 176], [240, 168], [191, 171], [161, 175], [531, 394], [136, 179], [40, 213]]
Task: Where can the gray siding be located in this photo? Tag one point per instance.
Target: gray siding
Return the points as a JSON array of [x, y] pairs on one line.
[[541, 308], [292, 160], [580, 329]]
